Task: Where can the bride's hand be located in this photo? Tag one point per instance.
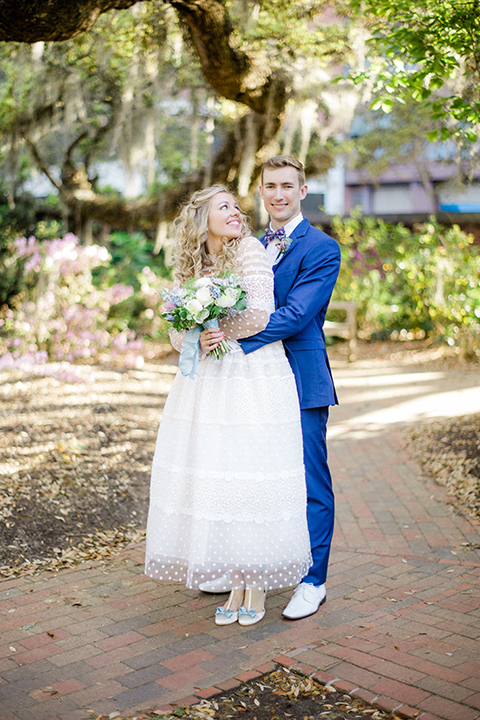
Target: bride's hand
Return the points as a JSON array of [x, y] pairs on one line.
[[209, 339]]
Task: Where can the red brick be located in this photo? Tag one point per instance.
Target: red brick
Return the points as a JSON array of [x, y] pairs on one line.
[[343, 686], [43, 694], [96, 692], [473, 700], [447, 709], [118, 641], [305, 669], [103, 659], [40, 653], [248, 675], [194, 657], [364, 695], [186, 701], [110, 672], [469, 669], [354, 656], [44, 639], [265, 668], [207, 693], [324, 677], [399, 691], [184, 678], [385, 703], [57, 689], [284, 660], [407, 712], [81, 653], [358, 676], [229, 684], [397, 672], [399, 657]]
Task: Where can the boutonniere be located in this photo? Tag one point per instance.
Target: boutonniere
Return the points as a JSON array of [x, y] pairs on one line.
[[283, 245]]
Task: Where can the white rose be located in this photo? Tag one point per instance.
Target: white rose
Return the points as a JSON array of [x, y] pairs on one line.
[[202, 282], [228, 298], [194, 307], [203, 295]]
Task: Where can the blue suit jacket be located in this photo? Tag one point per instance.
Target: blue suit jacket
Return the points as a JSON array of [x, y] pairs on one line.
[[304, 280]]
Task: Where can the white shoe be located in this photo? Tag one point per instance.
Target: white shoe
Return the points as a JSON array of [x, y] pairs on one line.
[[219, 585], [248, 614], [225, 617], [306, 600]]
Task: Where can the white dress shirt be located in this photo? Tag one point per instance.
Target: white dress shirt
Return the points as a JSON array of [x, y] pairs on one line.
[[272, 247]]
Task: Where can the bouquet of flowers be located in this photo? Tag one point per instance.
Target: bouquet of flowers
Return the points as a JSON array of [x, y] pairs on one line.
[[201, 303]]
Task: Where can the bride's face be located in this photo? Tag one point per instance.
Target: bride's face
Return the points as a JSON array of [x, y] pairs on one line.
[[224, 218]]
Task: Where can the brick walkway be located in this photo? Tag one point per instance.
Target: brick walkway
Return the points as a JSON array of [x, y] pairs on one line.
[[401, 627]]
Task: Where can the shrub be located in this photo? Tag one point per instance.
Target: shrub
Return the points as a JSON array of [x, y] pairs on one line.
[[63, 316], [411, 283]]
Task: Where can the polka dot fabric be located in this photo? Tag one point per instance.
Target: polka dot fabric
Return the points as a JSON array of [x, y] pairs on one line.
[[228, 485]]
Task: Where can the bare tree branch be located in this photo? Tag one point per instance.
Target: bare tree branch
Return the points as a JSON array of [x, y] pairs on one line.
[[33, 20]]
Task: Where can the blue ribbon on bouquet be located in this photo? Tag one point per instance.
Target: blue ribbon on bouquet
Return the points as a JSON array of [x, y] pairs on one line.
[[189, 353]]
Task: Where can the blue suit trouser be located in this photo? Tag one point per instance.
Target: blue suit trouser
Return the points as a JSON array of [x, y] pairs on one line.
[[320, 499]]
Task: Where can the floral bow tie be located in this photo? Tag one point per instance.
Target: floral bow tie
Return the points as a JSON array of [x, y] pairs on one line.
[[274, 234]]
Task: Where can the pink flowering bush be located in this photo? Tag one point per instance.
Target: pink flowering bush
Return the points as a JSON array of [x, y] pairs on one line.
[[63, 316]]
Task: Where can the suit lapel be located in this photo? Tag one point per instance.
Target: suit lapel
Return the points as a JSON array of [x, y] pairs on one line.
[[295, 236]]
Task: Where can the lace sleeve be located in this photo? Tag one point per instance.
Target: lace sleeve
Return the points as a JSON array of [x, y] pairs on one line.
[[176, 338], [257, 280]]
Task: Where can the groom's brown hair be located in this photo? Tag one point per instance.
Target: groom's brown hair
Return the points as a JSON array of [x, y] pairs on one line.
[[279, 161]]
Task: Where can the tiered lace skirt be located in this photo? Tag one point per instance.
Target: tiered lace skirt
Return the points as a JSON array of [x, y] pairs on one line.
[[228, 486]]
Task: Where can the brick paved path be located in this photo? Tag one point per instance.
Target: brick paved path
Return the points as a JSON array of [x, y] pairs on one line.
[[401, 627]]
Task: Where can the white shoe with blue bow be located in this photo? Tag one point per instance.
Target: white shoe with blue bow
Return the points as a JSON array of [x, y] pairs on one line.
[[225, 617], [253, 610], [228, 614]]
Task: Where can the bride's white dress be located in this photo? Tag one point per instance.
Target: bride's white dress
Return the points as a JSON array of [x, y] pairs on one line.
[[228, 486]]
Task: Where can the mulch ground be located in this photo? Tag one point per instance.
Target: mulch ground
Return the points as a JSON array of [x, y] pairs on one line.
[[449, 451], [278, 695]]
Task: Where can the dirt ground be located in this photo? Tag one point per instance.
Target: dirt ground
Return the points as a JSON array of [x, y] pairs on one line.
[[283, 694]]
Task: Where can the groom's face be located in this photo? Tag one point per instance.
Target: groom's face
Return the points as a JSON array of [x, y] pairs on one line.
[[282, 194]]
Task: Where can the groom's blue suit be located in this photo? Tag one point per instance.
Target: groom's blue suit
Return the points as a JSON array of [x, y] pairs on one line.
[[305, 276]]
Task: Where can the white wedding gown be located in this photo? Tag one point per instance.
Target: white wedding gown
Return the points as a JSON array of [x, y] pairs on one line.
[[228, 486]]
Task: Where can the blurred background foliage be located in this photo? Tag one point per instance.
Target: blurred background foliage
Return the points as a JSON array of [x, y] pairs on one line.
[[98, 132], [411, 283]]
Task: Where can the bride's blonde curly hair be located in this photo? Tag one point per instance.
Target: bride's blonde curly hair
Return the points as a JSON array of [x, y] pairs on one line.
[[191, 230]]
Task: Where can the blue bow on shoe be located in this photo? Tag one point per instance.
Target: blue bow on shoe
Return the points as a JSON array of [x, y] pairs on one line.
[[222, 611], [243, 611]]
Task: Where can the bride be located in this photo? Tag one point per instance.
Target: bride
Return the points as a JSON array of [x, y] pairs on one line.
[[228, 488]]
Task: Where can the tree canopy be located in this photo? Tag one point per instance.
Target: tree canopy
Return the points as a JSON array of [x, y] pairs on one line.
[[428, 50], [196, 90], [125, 89]]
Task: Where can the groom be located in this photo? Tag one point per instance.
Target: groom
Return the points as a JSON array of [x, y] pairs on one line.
[[305, 263]]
